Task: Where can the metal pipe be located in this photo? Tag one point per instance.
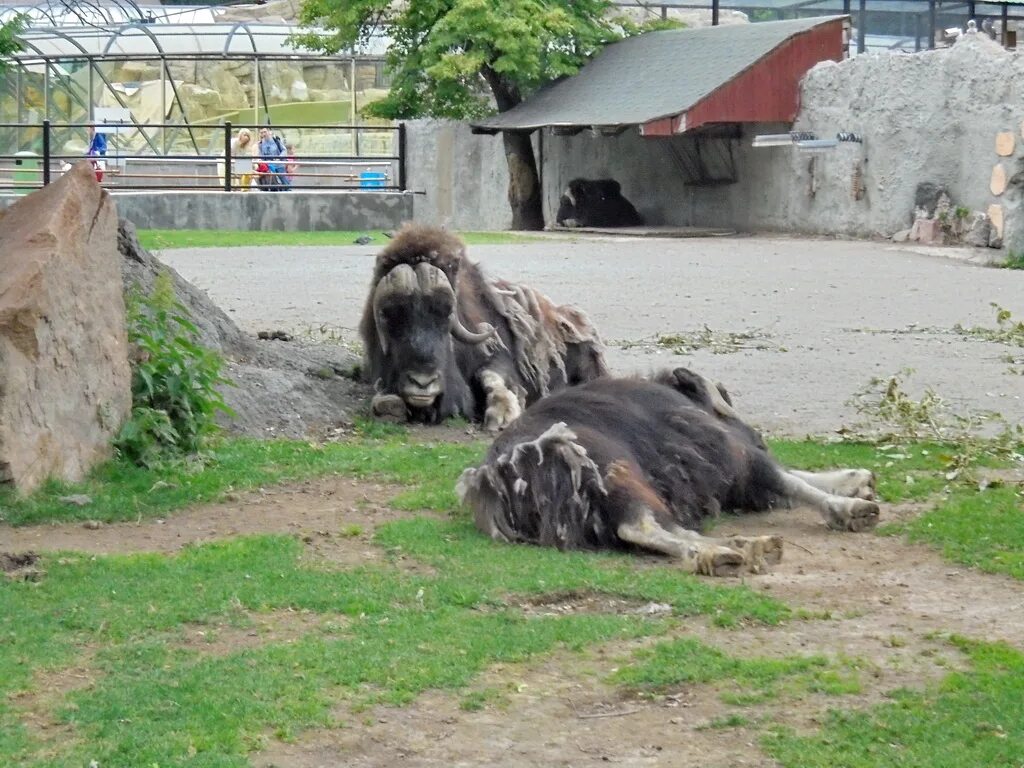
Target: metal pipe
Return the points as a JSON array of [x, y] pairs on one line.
[[401, 156], [227, 155], [931, 25], [862, 23], [46, 152]]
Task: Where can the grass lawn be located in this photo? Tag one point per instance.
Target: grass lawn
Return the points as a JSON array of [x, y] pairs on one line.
[[157, 239], [125, 625]]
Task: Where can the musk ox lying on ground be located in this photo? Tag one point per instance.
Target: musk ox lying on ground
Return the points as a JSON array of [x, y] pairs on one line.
[[596, 203], [623, 463], [441, 339]]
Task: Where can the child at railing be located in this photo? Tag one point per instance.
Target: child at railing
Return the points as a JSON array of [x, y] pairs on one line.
[[97, 148], [291, 165]]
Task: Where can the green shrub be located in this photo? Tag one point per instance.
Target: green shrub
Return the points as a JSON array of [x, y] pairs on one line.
[[174, 381]]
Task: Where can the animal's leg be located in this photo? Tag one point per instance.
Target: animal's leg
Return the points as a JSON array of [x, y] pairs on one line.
[[841, 513], [695, 553], [388, 406], [503, 405], [856, 483], [641, 508]]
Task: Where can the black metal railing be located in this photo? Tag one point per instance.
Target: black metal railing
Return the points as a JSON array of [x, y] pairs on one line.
[[222, 168]]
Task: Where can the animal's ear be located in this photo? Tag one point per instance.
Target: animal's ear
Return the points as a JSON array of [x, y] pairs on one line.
[[689, 383]]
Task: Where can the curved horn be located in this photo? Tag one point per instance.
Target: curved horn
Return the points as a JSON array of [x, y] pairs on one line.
[[400, 280], [462, 333], [433, 279]]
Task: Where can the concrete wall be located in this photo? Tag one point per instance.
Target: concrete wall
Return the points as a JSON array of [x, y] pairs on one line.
[[460, 179], [283, 211], [926, 117], [931, 116]]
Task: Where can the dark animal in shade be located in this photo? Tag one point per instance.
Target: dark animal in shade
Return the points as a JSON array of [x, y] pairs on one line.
[[442, 339], [596, 203], [634, 463]]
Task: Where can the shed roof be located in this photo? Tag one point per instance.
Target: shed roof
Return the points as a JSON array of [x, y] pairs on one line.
[[650, 76]]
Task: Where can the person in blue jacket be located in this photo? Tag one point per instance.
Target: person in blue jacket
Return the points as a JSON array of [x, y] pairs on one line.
[[97, 149], [272, 152]]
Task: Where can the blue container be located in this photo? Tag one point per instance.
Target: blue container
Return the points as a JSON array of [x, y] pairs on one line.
[[372, 179]]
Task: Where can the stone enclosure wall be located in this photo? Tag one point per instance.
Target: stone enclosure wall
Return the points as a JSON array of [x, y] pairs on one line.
[[931, 117]]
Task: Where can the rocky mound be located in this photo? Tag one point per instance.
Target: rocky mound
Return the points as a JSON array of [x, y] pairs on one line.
[[283, 388]]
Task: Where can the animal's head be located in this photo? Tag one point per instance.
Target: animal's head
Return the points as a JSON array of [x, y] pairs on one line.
[[411, 317]]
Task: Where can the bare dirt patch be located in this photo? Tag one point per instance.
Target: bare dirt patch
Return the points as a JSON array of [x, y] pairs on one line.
[[37, 705], [317, 509], [258, 629]]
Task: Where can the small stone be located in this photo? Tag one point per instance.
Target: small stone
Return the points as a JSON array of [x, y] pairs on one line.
[[92, 525], [78, 499]]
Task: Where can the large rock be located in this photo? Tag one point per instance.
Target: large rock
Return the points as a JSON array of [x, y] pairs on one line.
[[65, 381]]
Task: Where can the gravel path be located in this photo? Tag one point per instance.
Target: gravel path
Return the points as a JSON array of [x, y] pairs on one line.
[[826, 316]]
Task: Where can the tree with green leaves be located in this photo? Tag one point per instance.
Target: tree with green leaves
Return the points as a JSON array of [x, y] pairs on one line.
[[462, 59], [9, 42]]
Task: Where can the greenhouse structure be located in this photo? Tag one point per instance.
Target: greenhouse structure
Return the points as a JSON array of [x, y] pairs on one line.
[[164, 80]]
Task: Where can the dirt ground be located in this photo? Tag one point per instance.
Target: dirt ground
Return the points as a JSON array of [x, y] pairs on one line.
[[823, 316], [888, 604]]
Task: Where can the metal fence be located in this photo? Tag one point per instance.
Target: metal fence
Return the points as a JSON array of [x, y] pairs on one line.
[[221, 167]]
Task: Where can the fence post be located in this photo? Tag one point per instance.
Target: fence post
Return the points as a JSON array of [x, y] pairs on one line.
[[227, 156], [401, 157], [46, 152]]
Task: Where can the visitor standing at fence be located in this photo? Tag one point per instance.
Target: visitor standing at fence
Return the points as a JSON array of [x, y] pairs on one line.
[[272, 152], [244, 148], [97, 149]]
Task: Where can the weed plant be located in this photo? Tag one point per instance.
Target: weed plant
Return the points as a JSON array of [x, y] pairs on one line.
[[175, 381]]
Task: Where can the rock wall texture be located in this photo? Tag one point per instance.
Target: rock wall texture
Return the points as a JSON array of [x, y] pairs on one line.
[[65, 381], [925, 118]]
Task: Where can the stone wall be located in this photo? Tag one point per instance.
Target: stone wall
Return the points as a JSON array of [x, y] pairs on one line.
[[460, 179], [280, 211]]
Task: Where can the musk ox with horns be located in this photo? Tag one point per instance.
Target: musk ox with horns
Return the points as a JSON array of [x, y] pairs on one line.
[[441, 339], [632, 463]]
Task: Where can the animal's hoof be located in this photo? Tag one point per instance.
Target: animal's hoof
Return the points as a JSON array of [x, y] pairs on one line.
[[502, 412], [854, 515], [758, 550], [859, 484], [721, 561], [389, 407]]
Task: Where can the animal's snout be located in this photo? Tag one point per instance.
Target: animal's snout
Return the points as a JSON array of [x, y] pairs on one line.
[[421, 388], [424, 380]]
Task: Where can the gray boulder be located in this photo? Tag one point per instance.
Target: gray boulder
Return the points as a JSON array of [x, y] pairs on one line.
[[65, 381]]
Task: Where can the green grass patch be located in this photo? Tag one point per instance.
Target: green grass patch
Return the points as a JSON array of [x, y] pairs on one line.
[[393, 634], [1014, 261], [983, 529], [688, 661], [159, 239], [121, 491], [971, 718]]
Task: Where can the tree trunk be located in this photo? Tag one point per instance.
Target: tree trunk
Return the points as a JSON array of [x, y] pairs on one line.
[[524, 194]]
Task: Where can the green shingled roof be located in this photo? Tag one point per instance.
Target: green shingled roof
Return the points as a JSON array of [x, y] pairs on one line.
[[649, 76]]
